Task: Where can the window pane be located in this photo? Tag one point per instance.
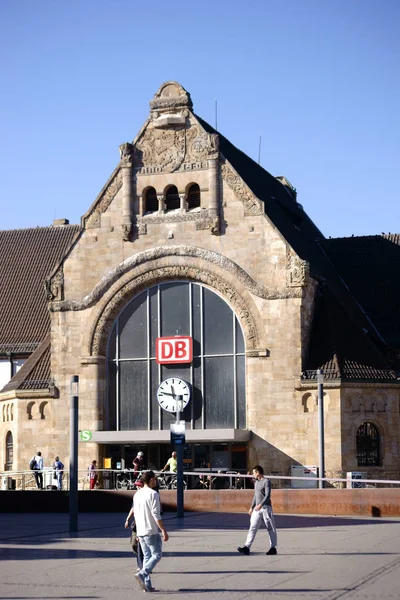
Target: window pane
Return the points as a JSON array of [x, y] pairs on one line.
[[196, 393], [239, 337], [175, 309], [241, 391], [153, 394], [133, 394], [133, 329], [153, 299], [218, 325], [196, 290], [111, 353], [112, 397], [219, 386]]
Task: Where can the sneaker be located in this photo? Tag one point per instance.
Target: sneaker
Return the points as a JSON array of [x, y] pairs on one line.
[[272, 551], [243, 550], [140, 579]]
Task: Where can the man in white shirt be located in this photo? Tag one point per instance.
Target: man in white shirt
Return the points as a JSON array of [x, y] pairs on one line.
[[38, 471], [146, 508]]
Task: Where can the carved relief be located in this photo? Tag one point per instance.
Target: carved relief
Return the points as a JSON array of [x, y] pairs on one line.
[[55, 286], [296, 271], [142, 282], [163, 149], [252, 206], [126, 152], [94, 219], [201, 145], [126, 231], [171, 95], [180, 251]]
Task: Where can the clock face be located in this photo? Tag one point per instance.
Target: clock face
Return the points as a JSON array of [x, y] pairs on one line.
[[173, 393]]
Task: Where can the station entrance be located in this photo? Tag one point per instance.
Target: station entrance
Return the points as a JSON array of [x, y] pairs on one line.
[[196, 457]]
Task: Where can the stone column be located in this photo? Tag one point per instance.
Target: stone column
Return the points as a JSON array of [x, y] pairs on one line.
[[126, 152], [161, 203], [213, 186], [182, 198]]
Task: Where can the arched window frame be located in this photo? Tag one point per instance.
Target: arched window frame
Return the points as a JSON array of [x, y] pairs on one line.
[[193, 196], [368, 445], [150, 205], [172, 198]]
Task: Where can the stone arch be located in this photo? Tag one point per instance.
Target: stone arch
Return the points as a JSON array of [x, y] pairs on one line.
[[12, 412], [8, 412], [309, 403], [107, 315], [4, 413], [43, 409], [30, 410]]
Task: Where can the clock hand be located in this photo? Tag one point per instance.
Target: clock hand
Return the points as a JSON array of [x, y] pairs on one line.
[[173, 392], [167, 394]]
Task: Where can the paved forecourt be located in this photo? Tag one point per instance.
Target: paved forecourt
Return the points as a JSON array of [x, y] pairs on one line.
[[319, 557]]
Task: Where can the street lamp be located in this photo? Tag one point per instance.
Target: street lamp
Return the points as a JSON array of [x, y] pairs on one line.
[[321, 435], [73, 453]]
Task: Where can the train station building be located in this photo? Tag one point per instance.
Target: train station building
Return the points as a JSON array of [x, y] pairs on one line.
[[192, 242]]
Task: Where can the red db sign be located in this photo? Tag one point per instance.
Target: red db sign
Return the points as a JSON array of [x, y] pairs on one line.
[[176, 349]]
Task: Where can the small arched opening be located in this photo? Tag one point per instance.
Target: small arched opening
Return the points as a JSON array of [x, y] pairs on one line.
[[172, 199], [368, 445], [193, 197], [150, 200]]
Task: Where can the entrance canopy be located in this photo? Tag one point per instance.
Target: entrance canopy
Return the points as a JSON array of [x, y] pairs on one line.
[[163, 437]]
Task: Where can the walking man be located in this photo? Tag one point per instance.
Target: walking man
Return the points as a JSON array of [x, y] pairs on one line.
[[146, 508], [261, 510]]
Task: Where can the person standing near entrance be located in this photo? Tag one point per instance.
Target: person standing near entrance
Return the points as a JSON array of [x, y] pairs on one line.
[[93, 474], [261, 510], [59, 471], [138, 462], [171, 466], [38, 470], [146, 509]]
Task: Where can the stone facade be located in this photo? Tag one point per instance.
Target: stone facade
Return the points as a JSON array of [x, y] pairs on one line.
[[230, 245]]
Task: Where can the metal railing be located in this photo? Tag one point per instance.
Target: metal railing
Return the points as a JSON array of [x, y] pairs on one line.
[[124, 479]]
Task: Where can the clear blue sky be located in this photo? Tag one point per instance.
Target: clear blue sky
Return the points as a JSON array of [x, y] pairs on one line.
[[318, 80]]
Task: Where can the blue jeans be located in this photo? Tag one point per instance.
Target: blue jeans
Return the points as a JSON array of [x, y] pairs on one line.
[[152, 552], [59, 480]]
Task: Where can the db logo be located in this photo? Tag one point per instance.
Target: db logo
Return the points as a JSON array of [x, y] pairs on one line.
[[176, 349]]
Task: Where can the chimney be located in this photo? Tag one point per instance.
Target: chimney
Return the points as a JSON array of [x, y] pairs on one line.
[[60, 222]]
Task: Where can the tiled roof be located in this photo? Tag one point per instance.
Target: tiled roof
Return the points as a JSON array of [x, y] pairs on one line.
[[27, 257], [35, 372], [370, 265], [308, 242], [340, 348]]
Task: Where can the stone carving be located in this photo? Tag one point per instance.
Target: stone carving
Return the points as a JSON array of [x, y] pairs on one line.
[[138, 284], [173, 217], [142, 227], [55, 285], [163, 149], [252, 206], [126, 231], [201, 145], [170, 95], [126, 152], [103, 202], [179, 251], [296, 271]]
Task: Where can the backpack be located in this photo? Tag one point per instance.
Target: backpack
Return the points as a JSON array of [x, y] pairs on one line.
[[32, 464]]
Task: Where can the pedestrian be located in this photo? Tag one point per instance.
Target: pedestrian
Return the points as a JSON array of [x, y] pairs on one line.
[[59, 472], [171, 466], [135, 543], [93, 474], [146, 509], [38, 470], [138, 462], [261, 510]]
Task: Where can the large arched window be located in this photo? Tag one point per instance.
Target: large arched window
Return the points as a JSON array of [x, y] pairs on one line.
[[367, 444], [150, 200], [193, 197], [172, 199], [216, 374], [9, 451]]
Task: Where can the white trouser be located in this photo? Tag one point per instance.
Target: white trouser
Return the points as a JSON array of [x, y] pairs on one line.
[[257, 517]]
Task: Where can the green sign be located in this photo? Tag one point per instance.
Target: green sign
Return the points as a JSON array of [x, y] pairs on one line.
[[86, 435]]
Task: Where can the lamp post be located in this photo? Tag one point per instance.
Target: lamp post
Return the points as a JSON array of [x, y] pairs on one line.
[[180, 512], [73, 452], [321, 434]]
